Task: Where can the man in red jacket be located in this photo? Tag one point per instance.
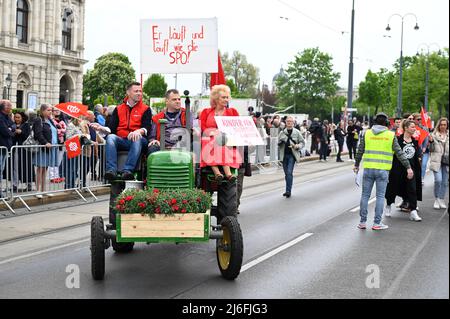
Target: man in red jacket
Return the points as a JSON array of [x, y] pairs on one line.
[[176, 117], [129, 128]]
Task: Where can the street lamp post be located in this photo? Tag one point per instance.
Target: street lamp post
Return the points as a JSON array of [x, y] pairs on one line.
[[8, 81], [350, 77], [427, 76], [400, 89]]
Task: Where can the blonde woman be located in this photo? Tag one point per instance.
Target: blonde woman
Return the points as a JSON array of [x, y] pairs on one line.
[[214, 153], [439, 153]]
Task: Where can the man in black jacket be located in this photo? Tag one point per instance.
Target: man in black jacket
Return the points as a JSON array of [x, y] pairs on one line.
[[7, 132], [314, 130]]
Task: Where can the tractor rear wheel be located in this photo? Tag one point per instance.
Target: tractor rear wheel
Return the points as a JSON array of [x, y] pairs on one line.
[[226, 201], [97, 248]]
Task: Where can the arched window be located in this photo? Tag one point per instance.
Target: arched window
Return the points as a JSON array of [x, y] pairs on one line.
[[22, 21], [67, 29]]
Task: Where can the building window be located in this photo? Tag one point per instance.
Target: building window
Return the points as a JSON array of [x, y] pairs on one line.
[[22, 21], [67, 29]]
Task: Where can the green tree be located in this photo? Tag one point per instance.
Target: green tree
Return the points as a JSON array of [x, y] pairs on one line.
[[245, 75], [155, 86], [385, 85], [233, 88], [309, 83], [414, 79], [370, 91], [111, 74], [387, 82]]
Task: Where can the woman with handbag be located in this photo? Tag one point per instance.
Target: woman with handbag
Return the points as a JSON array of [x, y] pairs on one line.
[[439, 153], [46, 133], [291, 142]]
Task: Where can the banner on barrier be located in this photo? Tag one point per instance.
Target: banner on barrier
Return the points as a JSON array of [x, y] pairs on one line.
[[73, 147], [179, 46]]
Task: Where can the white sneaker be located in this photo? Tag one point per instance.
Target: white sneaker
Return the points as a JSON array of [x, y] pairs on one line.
[[437, 205], [442, 204], [380, 226], [387, 211], [415, 217], [39, 196]]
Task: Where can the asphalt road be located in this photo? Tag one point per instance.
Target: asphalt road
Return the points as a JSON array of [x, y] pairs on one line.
[[304, 247]]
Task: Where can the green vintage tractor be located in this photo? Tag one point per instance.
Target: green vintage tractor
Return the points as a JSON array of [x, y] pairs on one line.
[[167, 170]]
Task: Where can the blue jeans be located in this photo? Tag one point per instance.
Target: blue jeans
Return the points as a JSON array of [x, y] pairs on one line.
[[381, 179], [425, 158], [115, 143], [288, 166], [441, 182]]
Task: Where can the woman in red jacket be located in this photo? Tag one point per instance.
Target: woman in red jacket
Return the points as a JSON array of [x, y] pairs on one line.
[[214, 153]]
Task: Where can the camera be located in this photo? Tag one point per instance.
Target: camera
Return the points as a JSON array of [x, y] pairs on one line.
[[85, 141]]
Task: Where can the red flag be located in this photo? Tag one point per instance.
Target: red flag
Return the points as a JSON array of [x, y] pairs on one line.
[[426, 120], [73, 147], [73, 109], [420, 135], [218, 78]]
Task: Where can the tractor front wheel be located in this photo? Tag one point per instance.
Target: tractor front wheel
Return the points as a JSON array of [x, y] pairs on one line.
[[230, 248]]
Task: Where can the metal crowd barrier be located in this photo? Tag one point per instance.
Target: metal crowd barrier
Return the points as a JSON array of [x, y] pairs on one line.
[[268, 155], [93, 167], [5, 190], [38, 171]]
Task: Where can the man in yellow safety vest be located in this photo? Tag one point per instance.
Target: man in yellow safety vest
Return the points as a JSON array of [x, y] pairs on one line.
[[377, 150]]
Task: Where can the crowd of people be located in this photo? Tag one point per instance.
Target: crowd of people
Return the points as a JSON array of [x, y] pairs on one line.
[[132, 127], [50, 128], [396, 161]]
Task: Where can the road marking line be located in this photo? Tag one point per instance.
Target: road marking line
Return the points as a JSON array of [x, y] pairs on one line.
[[394, 287], [40, 252], [274, 252], [357, 209]]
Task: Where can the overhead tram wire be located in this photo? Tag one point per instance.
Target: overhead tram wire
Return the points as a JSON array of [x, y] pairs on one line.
[[310, 18], [340, 32]]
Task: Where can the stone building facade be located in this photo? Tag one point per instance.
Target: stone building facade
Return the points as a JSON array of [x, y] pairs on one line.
[[41, 51]]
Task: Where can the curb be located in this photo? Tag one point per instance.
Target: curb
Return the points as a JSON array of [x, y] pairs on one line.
[[56, 198]]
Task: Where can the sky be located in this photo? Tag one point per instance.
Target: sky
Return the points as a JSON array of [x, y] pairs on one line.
[[271, 32]]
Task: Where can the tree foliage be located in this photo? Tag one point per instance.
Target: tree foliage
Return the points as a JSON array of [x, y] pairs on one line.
[[309, 83], [245, 76], [111, 74], [155, 86], [384, 84]]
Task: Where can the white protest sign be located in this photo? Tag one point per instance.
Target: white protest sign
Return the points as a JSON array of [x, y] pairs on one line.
[[239, 130], [179, 46]]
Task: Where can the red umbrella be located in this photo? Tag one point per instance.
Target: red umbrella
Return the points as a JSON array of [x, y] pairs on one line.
[[73, 109], [218, 78]]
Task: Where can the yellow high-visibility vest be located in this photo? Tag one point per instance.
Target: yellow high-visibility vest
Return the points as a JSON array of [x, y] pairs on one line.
[[378, 153]]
